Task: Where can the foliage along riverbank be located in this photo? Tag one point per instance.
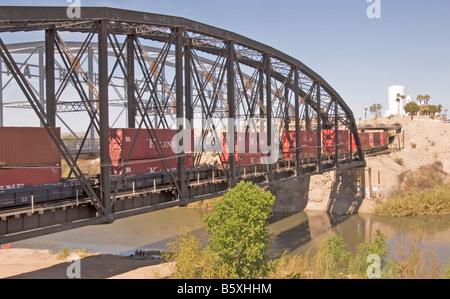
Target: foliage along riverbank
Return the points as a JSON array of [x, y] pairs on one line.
[[425, 191]]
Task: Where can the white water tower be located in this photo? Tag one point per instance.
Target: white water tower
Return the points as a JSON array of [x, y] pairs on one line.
[[393, 104]]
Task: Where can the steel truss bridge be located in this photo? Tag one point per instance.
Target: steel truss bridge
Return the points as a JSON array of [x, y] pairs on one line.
[[157, 69]]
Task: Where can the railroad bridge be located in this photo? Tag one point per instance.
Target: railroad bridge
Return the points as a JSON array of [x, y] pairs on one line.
[[113, 68]]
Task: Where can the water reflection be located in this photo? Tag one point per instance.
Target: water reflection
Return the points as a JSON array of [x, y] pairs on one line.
[[293, 232], [302, 232]]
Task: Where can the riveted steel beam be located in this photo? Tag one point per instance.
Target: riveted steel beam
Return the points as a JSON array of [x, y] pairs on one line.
[[50, 75], [231, 100], [103, 76]]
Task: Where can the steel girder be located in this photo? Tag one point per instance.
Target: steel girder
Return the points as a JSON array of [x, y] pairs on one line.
[[243, 79]]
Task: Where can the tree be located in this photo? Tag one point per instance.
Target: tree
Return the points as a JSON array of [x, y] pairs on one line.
[[398, 100], [378, 245], [332, 260], [426, 98], [237, 247], [433, 109], [420, 99], [238, 229], [440, 109], [376, 109], [412, 108]]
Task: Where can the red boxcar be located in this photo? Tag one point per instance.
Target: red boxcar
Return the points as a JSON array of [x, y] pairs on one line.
[[136, 167], [121, 141], [343, 141], [308, 144], [246, 145], [365, 141], [244, 159], [328, 141], [244, 142], [11, 178], [27, 146], [384, 139]]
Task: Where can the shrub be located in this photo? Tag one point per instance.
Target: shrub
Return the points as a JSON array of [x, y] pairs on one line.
[[425, 177], [191, 260], [399, 161], [413, 145], [446, 272], [332, 259], [412, 262], [292, 267], [67, 251], [238, 229], [376, 246], [238, 244], [426, 202]]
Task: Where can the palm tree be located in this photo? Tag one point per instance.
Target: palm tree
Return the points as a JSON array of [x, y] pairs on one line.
[[440, 109], [376, 109], [399, 98], [420, 99], [426, 98]]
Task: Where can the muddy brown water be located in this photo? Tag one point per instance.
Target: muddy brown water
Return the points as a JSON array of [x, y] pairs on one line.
[[293, 232]]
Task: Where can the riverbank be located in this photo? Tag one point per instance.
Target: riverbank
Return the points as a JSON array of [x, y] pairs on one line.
[[297, 233], [20, 263]]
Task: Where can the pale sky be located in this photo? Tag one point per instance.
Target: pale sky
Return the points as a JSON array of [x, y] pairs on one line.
[[360, 57]]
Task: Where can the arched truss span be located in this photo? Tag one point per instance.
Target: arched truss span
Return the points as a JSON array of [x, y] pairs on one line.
[[168, 68]]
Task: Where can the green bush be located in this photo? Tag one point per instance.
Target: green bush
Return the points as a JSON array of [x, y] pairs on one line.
[[376, 246], [238, 229], [427, 202], [399, 161], [237, 248], [332, 259]]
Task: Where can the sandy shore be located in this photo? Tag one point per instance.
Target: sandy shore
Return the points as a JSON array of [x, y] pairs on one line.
[[43, 264]]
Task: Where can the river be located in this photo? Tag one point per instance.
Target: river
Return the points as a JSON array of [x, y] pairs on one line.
[[295, 232]]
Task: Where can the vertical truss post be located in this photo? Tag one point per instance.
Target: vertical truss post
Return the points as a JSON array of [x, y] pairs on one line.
[[297, 123], [188, 98], [1, 93], [354, 130], [268, 71], [307, 122], [231, 111], [41, 78], [261, 91], [50, 75], [131, 101], [91, 94], [188, 86], [336, 134], [103, 77], [287, 119], [351, 142], [180, 107], [319, 129], [352, 138]]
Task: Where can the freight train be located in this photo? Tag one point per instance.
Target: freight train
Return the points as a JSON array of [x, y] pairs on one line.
[[30, 164], [309, 145]]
